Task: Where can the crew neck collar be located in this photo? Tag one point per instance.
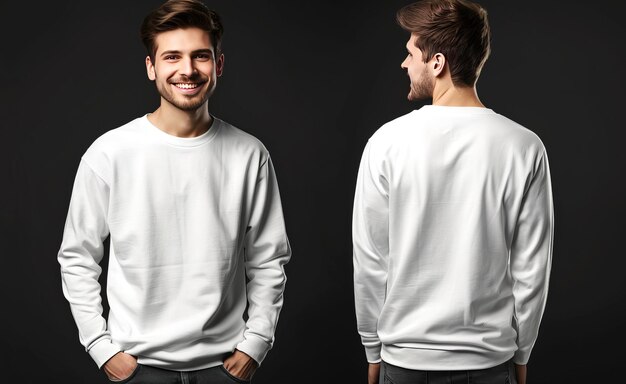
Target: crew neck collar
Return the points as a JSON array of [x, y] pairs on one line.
[[183, 141], [456, 110]]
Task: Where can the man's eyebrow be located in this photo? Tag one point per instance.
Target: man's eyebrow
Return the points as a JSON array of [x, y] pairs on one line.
[[170, 52], [205, 50]]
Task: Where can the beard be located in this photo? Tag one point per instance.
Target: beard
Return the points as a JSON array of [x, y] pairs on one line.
[[184, 102], [423, 87]]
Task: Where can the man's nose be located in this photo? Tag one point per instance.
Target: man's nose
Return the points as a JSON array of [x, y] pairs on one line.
[[187, 67]]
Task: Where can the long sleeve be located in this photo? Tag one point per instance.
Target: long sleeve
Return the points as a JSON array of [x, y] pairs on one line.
[[79, 257], [370, 234], [267, 250], [531, 257]]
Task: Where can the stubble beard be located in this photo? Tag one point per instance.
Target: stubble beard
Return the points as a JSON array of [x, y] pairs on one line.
[[183, 102], [423, 87]]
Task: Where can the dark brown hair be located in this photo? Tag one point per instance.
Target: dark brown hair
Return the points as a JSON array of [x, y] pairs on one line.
[[175, 14], [456, 28]]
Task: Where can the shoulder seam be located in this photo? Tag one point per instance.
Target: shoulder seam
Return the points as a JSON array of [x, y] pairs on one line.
[[84, 160]]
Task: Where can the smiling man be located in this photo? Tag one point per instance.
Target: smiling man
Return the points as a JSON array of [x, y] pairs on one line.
[[453, 219], [197, 236]]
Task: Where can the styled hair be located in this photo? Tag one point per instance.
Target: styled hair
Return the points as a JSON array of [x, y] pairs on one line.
[[458, 29], [175, 14]]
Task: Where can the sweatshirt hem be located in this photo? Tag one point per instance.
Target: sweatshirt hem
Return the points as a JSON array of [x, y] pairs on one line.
[[177, 366], [440, 360]]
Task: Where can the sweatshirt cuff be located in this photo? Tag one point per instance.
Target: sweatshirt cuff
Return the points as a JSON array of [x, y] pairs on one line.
[[521, 357], [254, 347], [102, 351], [373, 354]]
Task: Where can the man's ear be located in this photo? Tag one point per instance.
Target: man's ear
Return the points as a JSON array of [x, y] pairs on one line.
[[219, 65], [150, 69], [438, 64]]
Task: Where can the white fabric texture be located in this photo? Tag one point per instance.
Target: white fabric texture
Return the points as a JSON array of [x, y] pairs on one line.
[[196, 234], [453, 227]]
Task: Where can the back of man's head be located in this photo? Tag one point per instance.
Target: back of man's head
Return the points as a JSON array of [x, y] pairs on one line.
[[175, 14], [458, 29]]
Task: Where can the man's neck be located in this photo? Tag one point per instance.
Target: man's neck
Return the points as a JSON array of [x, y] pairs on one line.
[[447, 94], [177, 122]]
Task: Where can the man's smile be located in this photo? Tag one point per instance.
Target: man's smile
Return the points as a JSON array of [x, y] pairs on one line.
[[187, 85]]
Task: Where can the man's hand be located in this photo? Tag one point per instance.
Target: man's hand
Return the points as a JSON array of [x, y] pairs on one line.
[[240, 365], [120, 366], [373, 371], [520, 373]]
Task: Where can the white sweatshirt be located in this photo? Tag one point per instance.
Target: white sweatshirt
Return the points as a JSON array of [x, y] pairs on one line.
[[195, 226], [452, 235]]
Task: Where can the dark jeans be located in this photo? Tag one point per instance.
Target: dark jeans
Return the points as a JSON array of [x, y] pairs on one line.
[[145, 374], [500, 374]]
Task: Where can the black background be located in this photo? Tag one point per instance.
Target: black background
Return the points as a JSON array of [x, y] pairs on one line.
[[313, 80]]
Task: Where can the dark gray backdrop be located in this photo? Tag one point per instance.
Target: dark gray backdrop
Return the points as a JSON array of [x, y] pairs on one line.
[[313, 81]]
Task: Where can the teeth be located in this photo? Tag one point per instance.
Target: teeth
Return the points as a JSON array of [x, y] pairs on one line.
[[186, 85]]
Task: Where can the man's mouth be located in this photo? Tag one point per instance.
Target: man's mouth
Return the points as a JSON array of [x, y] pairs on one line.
[[187, 85]]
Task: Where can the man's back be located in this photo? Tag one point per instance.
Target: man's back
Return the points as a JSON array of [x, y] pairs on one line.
[[439, 195]]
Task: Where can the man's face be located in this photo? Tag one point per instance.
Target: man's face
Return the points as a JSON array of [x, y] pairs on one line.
[[185, 68], [422, 80]]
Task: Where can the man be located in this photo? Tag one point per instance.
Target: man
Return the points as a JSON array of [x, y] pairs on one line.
[[452, 221], [197, 237]]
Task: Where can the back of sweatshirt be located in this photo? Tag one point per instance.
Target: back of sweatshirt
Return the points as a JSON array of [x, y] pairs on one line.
[[453, 227]]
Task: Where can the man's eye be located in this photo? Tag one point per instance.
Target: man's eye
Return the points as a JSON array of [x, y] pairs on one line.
[[170, 57], [203, 56]]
